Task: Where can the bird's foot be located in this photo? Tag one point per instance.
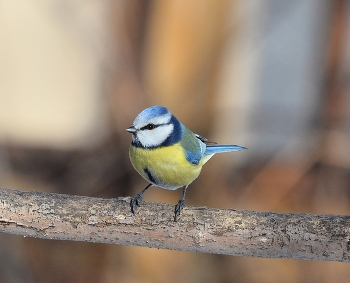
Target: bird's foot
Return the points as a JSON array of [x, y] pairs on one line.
[[180, 205], [135, 202]]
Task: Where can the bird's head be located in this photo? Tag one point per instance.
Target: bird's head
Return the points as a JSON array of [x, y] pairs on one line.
[[155, 126]]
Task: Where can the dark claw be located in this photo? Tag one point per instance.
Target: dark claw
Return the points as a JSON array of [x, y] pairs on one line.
[[138, 199], [180, 205], [135, 201]]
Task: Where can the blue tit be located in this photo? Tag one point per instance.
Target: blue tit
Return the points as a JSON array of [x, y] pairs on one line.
[[167, 154]]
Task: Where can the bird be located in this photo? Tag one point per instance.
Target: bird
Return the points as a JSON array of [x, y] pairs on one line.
[[167, 154]]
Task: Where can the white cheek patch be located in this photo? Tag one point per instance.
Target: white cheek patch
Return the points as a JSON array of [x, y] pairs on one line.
[[155, 137]]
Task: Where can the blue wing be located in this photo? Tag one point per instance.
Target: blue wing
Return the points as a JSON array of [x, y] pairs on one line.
[[193, 157], [194, 148], [212, 149]]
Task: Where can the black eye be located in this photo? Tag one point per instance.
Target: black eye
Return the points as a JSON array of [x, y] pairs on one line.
[[150, 127]]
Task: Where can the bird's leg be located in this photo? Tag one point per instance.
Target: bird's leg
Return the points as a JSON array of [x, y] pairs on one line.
[[138, 199], [181, 204]]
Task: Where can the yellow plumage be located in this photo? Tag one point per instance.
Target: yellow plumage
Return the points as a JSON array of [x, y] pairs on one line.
[[168, 164], [167, 154]]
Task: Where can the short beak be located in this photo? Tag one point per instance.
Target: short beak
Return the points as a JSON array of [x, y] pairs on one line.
[[131, 129]]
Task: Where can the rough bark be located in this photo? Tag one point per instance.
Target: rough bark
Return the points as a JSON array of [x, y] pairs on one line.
[[198, 229]]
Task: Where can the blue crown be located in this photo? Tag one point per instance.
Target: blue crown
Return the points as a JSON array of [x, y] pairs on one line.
[[152, 112]]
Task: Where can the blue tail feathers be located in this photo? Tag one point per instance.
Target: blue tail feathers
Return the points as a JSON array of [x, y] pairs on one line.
[[211, 149]]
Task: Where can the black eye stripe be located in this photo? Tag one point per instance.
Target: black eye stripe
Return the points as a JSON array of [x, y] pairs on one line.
[[153, 125], [149, 127]]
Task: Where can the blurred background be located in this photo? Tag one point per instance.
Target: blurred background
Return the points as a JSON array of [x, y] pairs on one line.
[[271, 75]]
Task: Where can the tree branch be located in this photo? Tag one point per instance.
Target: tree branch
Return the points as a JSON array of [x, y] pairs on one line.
[[230, 232]]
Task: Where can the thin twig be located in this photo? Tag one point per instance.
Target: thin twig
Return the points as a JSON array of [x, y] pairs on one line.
[[230, 232]]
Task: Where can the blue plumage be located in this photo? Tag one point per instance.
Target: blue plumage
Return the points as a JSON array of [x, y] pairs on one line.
[[152, 112], [212, 149], [194, 157], [177, 132], [167, 154]]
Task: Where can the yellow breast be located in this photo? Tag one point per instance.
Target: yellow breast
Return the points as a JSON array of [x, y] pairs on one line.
[[167, 165]]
